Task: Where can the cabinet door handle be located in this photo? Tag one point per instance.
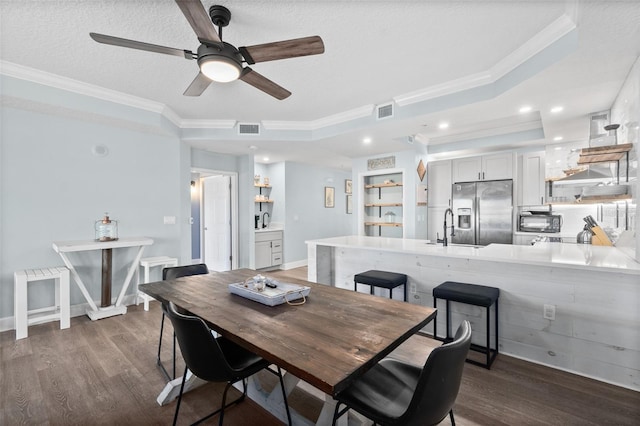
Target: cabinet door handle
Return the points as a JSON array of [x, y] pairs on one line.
[[541, 200], [478, 175], [482, 175]]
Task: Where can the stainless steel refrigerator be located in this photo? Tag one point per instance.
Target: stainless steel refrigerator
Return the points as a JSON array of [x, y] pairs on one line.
[[483, 212]]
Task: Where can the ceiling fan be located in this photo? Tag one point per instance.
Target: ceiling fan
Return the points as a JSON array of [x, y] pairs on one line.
[[220, 61]]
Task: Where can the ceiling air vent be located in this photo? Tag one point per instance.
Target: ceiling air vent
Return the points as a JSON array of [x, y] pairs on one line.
[[384, 111], [248, 129]]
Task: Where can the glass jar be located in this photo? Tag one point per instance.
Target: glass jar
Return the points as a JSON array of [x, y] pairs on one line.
[[106, 229]]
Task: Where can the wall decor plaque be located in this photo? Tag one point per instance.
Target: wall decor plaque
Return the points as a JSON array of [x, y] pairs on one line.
[[381, 163]]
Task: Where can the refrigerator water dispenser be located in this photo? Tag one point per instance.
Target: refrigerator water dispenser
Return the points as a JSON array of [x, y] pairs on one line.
[[464, 218]]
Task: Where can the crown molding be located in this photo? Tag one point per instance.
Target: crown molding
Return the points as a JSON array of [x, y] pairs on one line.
[[64, 83], [331, 120], [207, 124], [542, 40]]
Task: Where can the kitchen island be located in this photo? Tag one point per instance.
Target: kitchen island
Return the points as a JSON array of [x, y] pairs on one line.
[[595, 292]]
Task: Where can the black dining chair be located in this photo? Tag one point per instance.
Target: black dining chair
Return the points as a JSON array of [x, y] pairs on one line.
[[394, 392], [215, 359], [171, 274]]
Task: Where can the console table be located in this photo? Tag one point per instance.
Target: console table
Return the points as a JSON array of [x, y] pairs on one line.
[[106, 309]]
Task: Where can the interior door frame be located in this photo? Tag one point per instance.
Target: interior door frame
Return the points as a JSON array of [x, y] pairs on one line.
[[204, 173]]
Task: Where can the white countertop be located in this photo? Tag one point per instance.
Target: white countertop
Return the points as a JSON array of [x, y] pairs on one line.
[[274, 227], [579, 256]]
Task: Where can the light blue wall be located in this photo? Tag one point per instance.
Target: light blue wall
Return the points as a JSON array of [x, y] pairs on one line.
[[54, 188], [306, 216], [415, 225]]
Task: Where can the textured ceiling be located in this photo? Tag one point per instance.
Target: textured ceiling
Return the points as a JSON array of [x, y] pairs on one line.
[[374, 51]]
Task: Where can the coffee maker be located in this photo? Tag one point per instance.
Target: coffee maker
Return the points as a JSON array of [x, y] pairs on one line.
[[257, 218]]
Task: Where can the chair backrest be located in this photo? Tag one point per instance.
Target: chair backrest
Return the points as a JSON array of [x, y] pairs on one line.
[[184, 271], [201, 352], [439, 381]]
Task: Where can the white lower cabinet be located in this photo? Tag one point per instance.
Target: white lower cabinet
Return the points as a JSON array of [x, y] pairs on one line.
[[268, 249]]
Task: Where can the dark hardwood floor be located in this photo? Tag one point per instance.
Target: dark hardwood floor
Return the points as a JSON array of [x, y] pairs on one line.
[[104, 373]]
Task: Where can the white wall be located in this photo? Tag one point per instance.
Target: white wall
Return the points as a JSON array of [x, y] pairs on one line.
[[626, 111]]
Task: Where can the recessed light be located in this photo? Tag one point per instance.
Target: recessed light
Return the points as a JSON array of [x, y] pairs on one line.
[[525, 109], [253, 147], [265, 159], [366, 141], [557, 109], [558, 148], [443, 125], [558, 161], [557, 138]]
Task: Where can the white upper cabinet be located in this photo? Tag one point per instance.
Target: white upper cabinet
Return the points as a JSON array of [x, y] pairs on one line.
[[439, 183], [533, 178], [486, 167]]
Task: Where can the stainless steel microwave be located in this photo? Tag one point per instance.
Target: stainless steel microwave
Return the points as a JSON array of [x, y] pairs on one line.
[[536, 222]]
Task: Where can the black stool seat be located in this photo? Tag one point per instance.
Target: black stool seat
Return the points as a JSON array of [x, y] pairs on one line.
[[471, 294], [384, 279]]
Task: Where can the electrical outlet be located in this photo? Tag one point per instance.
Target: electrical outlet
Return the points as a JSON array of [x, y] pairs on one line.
[[412, 288], [549, 312], [169, 220]]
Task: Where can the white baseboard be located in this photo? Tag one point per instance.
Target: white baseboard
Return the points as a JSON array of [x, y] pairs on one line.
[[293, 265], [8, 323]]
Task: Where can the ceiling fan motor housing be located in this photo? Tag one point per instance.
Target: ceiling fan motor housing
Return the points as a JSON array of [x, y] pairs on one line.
[[220, 53]]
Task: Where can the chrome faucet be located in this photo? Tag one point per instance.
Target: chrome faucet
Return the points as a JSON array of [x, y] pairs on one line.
[[264, 224], [444, 238]]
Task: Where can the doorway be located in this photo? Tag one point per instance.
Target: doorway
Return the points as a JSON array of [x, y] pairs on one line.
[[218, 233]]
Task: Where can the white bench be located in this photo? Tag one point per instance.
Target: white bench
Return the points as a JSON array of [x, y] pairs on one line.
[[23, 316], [147, 263]]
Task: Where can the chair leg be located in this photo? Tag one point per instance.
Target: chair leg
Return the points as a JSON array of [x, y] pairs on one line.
[[184, 378], [453, 422], [174, 354], [284, 396], [337, 415]]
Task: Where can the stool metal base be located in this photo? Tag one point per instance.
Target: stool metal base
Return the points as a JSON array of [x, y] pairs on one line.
[[489, 352]]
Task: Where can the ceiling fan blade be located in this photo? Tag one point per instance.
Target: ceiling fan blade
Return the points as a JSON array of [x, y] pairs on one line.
[[132, 44], [263, 83], [283, 49], [198, 85], [199, 20]]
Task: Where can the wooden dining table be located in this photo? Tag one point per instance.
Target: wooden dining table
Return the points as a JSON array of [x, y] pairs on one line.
[[327, 342]]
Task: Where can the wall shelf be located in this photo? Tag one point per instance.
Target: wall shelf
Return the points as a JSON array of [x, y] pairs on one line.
[[383, 185], [383, 205], [383, 224], [597, 199]]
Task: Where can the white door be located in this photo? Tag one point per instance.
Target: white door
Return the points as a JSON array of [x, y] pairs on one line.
[[216, 196]]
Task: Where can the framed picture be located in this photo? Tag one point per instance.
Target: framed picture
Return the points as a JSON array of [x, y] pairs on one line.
[[349, 204], [329, 196], [347, 186]]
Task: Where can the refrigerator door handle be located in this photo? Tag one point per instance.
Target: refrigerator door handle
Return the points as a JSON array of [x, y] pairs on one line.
[[476, 220]]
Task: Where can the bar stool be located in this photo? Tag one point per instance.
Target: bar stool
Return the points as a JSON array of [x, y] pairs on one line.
[[471, 294], [21, 280], [384, 279], [147, 263]]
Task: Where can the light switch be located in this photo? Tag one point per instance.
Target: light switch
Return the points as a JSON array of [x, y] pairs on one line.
[[169, 220]]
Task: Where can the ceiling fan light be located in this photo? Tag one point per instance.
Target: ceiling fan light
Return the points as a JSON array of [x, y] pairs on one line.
[[220, 68]]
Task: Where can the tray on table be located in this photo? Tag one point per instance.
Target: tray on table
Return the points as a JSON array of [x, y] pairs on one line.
[[284, 292]]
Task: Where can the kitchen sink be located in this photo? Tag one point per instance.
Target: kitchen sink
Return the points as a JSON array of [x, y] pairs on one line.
[[455, 245]]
